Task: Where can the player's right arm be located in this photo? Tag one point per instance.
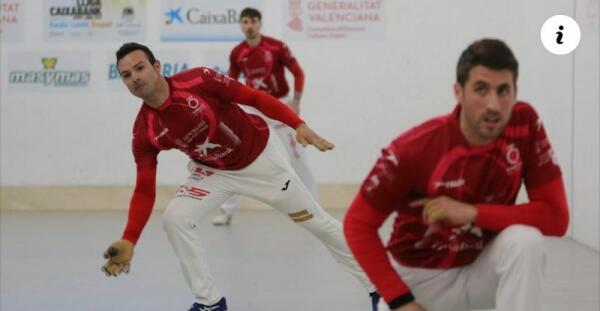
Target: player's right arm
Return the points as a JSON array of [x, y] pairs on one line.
[[120, 253], [291, 63], [386, 188], [234, 69]]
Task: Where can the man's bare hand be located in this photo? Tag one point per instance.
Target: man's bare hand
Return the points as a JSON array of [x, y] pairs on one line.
[[305, 136], [445, 210]]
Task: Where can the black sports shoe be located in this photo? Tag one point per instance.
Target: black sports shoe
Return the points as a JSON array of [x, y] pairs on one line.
[[374, 300], [219, 306]]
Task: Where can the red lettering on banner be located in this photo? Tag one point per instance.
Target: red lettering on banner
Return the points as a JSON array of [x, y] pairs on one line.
[[344, 17], [9, 7], [8, 19]]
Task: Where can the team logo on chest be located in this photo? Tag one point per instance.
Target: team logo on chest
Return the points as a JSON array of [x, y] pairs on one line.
[[202, 149], [513, 158], [195, 104]]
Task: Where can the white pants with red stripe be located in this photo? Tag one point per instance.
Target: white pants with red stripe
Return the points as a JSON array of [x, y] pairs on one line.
[[507, 276], [270, 179]]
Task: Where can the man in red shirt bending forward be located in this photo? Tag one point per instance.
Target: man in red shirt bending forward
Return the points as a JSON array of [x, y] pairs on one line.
[[230, 151]]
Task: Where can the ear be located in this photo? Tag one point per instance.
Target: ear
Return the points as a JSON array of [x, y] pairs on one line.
[[157, 66], [458, 92]]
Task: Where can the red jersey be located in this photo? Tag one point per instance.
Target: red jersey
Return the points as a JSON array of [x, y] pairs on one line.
[[199, 119], [434, 159], [263, 66]]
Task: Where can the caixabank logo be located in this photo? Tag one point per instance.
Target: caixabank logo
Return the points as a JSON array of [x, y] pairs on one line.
[[203, 20], [198, 16], [49, 75]]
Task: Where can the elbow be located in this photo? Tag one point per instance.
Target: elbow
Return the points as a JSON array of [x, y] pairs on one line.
[[561, 224], [353, 226]]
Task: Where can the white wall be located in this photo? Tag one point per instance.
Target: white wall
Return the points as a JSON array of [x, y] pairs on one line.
[[360, 94], [586, 136]]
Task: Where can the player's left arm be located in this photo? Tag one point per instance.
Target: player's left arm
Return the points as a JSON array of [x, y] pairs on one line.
[[291, 63], [275, 109], [233, 91], [547, 209], [298, 74]]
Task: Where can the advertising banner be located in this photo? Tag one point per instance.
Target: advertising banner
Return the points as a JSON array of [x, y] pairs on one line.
[[94, 20], [350, 19], [203, 20]]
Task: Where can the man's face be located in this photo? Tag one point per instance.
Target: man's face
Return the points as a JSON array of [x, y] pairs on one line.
[[486, 100], [140, 77], [251, 27]]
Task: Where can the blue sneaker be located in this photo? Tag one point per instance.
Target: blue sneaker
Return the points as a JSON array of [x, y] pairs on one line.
[[374, 300], [219, 306]]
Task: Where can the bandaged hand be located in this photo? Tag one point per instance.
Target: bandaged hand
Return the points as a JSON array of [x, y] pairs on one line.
[[118, 258]]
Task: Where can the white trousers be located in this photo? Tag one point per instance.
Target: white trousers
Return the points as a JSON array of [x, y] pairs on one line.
[[507, 276], [270, 179], [295, 155]]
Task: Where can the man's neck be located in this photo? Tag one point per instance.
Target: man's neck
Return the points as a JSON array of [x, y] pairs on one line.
[[161, 94], [469, 134], [254, 41]]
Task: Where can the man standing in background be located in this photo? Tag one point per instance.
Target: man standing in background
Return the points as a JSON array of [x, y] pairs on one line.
[[261, 60]]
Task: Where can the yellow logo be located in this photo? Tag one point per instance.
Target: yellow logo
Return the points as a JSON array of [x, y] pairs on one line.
[[49, 62]]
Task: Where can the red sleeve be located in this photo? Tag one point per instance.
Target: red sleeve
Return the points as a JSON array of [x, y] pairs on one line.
[[541, 165], [387, 186], [233, 91], [361, 225], [140, 206], [142, 200], [384, 191], [268, 105], [294, 67], [547, 210]]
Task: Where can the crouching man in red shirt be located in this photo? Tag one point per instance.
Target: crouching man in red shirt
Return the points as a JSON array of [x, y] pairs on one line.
[[459, 241]]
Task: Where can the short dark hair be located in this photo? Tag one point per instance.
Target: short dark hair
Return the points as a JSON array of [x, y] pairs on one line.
[[129, 47], [250, 12], [490, 53]]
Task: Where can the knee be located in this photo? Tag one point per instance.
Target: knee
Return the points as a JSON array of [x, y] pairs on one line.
[[173, 218], [321, 224], [522, 240]]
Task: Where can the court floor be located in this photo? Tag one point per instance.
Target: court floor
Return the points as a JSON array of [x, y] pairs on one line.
[[52, 260]]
